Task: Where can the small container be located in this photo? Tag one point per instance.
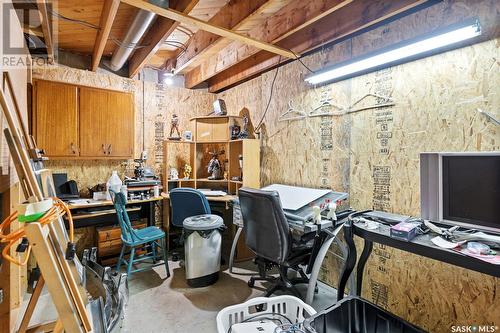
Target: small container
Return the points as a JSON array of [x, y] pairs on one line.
[[114, 183], [156, 191]]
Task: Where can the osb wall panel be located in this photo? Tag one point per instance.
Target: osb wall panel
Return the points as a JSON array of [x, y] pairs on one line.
[[154, 106], [374, 153]]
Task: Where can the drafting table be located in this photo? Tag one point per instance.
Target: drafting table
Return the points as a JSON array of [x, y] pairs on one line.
[[299, 221]]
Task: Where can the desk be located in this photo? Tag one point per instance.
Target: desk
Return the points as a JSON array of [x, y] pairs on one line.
[[420, 245], [102, 213]]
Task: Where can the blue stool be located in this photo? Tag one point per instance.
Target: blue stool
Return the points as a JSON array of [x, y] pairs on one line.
[[133, 238]]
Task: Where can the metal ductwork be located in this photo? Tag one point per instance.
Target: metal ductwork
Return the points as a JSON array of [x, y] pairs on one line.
[[138, 28]]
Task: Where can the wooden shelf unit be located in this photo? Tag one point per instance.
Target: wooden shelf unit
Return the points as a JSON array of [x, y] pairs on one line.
[[214, 133]]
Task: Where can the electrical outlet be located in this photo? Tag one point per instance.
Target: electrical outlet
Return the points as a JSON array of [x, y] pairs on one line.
[[1, 296]]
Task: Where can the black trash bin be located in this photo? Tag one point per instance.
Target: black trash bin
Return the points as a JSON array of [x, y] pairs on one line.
[[356, 315]]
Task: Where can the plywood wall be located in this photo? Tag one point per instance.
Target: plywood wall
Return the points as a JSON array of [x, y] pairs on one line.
[[154, 106], [374, 154]]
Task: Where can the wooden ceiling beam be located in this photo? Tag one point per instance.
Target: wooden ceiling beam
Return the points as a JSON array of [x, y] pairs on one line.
[[47, 34], [296, 15], [355, 17], [109, 10], [223, 32], [231, 16], [161, 29]]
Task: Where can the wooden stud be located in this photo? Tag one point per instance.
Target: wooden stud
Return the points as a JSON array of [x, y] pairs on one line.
[[186, 19], [203, 43], [348, 20], [276, 28], [47, 33], [109, 10]]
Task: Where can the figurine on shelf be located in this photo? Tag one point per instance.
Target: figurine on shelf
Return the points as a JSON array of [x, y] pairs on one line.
[[174, 126], [244, 132], [235, 131], [187, 171], [214, 166], [173, 174]]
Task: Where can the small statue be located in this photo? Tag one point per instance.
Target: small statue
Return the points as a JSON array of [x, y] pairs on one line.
[[235, 131], [214, 166], [187, 171], [173, 174], [174, 126], [244, 132]]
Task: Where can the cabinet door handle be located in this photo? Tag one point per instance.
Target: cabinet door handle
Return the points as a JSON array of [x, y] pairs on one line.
[[110, 149], [104, 149], [74, 150]]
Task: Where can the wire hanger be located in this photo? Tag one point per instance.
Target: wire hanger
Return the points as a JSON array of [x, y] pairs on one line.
[[326, 102], [292, 114], [388, 101]]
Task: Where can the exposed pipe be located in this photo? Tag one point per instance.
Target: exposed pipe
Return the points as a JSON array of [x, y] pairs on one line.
[[138, 28]]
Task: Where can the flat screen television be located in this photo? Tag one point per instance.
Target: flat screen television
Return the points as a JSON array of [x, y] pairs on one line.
[[461, 189]]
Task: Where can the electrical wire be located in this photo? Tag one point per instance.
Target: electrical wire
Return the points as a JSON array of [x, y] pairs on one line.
[[297, 57], [115, 40], [58, 210], [261, 121]]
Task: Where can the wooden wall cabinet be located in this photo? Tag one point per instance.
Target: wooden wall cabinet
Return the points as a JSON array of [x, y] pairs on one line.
[[106, 123], [56, 120], [71, 121]]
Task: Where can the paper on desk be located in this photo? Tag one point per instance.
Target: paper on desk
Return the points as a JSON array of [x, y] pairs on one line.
[[491, 258], [294, 197], [80, 202], [210, 193], [443, 243]]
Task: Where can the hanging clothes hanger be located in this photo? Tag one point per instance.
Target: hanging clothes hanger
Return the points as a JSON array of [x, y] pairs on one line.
[[326, 102], [292, 114], [388, 101]]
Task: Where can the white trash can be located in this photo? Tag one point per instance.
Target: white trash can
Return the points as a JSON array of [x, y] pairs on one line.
[[202, 248]]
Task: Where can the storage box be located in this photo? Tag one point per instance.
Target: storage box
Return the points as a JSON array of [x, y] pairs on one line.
[[404, 230], [109, 243], [353, 315]]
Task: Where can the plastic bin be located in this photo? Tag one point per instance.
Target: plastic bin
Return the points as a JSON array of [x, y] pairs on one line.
[[356, 315], [291, 307]]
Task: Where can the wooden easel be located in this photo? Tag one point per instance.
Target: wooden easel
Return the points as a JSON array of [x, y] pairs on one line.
[[62, 277]]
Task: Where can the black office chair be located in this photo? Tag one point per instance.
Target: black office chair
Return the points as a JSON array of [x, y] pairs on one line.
[[268, 235]]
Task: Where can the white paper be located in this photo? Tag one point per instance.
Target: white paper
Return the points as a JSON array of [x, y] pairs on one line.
[[210, 193], [294, 197], [443, 243]]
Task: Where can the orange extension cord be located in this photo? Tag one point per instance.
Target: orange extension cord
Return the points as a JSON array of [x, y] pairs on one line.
[[57, 211]]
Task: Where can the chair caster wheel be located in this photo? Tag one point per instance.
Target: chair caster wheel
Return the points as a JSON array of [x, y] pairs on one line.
[[251, 283]]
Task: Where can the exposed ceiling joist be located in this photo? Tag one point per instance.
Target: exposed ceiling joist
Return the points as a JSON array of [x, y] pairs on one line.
[[350, 19], [47, 34], [231, 16], [297, 15], [161, 29], [109, 10], [223, 32]]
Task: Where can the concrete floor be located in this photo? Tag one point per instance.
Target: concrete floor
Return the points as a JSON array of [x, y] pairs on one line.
[[157, 304]]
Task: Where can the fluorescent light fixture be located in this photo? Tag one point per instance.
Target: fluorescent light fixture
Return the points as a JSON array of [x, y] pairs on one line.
[[402, 52]]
